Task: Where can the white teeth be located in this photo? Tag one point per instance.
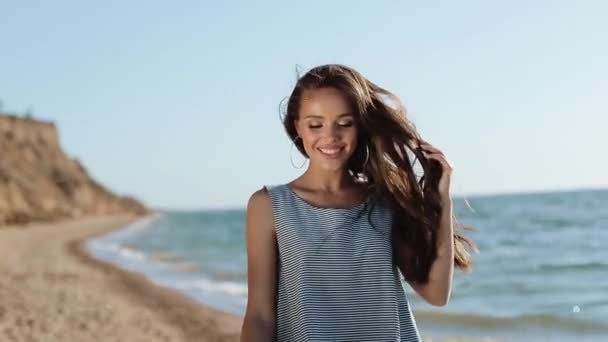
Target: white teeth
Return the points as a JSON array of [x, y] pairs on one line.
[[330, 151]]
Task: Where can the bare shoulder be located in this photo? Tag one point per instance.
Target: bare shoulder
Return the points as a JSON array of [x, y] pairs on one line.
[[259, 209], [259, 199]]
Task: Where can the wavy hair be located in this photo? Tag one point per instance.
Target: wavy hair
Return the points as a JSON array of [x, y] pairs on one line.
[[386, 138]]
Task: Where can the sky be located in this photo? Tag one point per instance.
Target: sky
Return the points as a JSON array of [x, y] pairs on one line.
[[177, 102]]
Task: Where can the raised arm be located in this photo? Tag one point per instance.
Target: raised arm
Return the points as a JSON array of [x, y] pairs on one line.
[[259, 324]]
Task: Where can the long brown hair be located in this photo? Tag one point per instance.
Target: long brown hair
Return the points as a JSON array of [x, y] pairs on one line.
[[385, 134]]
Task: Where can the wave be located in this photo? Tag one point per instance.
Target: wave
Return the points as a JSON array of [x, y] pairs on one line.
[[165, 257], [128, 252], [230, 288], [524, 321], [591, 265]]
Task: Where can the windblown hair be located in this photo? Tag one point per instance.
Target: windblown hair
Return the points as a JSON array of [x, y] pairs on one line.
[[385, 134]]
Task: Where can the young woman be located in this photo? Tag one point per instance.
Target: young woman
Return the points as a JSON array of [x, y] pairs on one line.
[[326, 251]]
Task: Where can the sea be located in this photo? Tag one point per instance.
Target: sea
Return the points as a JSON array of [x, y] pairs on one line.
[[541, 273]]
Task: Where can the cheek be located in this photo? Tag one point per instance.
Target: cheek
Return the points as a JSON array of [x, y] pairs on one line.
[[351, 137], [309, 135], [309, 138]]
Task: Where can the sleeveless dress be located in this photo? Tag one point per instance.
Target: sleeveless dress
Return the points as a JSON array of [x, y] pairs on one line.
[[336, 278]]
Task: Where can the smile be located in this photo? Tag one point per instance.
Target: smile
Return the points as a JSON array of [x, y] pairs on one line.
[[331, 152]]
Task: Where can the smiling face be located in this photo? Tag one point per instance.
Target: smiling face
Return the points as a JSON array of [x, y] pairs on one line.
[[327, 126]]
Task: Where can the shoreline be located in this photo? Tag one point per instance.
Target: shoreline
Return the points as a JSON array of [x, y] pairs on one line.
[[194, 318], [53, 289]]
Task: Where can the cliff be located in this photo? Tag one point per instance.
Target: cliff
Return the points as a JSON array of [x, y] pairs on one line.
[[39, 182]]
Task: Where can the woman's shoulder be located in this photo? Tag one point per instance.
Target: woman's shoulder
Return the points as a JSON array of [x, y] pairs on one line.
[[259, 199], [264, 195], [259, 208]]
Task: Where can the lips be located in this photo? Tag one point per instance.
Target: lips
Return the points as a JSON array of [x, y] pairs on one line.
[[330, 151]]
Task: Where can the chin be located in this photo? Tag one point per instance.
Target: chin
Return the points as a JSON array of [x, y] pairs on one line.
[[332, 166]]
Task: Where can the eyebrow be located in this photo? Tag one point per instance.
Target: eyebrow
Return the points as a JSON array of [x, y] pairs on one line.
[[320, 117]]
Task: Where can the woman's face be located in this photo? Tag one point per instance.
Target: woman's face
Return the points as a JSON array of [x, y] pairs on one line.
[[327, 126]]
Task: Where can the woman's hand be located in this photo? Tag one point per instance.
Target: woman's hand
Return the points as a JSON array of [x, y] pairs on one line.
[[432, 152]]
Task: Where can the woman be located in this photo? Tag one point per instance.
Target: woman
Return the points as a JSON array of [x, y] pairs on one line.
[[327, 250]]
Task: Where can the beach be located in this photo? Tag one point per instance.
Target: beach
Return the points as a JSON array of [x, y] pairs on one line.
[[51, 289]]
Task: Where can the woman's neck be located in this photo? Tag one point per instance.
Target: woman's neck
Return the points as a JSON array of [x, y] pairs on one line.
[[330, 181]]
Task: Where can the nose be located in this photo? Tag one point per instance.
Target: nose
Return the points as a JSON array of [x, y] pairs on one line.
[[331, 133]]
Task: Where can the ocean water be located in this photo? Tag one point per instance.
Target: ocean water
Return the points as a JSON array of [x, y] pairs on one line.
[[541, 273]]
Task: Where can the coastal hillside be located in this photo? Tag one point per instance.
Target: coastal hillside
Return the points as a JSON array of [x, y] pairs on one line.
[[39, 182]]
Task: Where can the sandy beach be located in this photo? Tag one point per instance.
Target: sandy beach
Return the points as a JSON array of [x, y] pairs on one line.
[[52, 290]]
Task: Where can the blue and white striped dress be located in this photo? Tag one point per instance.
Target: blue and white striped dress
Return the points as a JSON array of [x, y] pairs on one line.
[[336, 280]]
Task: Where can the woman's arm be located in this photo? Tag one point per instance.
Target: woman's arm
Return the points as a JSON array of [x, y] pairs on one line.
[[259, 323], [437, 291]]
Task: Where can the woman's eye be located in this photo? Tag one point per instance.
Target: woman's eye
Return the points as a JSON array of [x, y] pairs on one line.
[[346, 124]]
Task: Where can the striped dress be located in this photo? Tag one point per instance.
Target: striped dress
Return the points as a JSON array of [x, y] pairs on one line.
[[336, 280]]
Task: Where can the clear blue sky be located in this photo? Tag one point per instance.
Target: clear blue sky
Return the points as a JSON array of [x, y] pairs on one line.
[[177, 102]]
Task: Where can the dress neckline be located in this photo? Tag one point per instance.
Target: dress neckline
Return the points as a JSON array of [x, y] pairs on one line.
[[313, 206]]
